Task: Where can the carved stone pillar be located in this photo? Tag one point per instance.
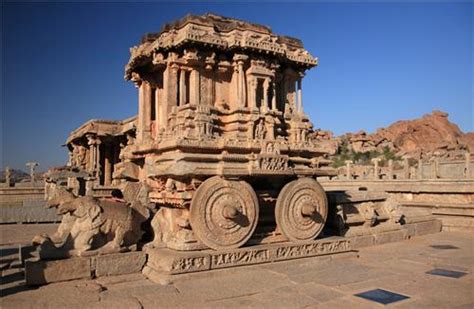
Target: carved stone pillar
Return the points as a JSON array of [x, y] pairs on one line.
[[144, 111], [239, 79], [299, 96], [8, 176], [98, 166], [376, 174], [147, 111], [252, 91], [157, 111], [182, 87], [170, 84], [211, 89], [32, 166], [141, 110], [435, 166], [348, 169], [274, 101], [390, 169], [194, 87], [266, 84], [241, 84], [108, 165], [420, 169], [406, 168], [92, 153]]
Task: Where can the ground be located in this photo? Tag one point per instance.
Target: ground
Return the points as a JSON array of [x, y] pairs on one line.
[[305, 283]]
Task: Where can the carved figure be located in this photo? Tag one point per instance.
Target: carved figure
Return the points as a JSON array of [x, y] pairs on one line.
[[260, 130]]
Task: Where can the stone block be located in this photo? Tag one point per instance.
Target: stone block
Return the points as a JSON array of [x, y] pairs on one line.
[[176, 262], [159, 277], [362, 241], [388, 237], [119, 264], [411, 229], [42, 272], [428, 227]]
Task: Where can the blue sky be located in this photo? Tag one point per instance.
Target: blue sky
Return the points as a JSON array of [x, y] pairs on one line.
[[62, 64]]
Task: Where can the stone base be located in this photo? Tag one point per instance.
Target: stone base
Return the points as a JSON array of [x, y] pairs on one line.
[[42, 272], [164, 262], [403, 232], [423, 228]]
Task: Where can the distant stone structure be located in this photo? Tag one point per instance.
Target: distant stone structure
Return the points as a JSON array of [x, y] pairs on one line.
[[32, 166], [8, 177]]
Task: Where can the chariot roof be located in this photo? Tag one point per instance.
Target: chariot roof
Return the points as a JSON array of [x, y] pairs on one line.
[[218, 32]]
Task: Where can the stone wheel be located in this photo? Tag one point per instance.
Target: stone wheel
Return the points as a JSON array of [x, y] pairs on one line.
[[301, 209], [224, 214]]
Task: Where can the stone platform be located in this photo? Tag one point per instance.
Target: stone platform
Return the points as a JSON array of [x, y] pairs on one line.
[[164, 262], [159, 264], [42, 272]]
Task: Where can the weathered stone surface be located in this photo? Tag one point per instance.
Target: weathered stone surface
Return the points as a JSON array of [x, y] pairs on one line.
[[119, 264], [42, 272]]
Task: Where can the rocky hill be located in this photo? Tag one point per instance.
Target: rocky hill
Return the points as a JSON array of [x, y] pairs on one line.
[[431, 134]]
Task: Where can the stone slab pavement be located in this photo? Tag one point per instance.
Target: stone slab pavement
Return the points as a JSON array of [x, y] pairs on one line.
[[16, 234], [305, 283]]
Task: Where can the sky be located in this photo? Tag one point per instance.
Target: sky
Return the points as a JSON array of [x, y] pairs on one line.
[[63, 64]]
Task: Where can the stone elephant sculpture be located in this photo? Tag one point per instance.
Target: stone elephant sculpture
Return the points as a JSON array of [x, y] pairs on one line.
[[92, 226]]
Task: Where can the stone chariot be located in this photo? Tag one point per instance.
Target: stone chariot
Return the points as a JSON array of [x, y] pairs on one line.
[[222, 140]]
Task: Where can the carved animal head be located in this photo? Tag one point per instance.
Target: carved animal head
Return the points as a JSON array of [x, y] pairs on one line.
[[56, 195], [82, 207]]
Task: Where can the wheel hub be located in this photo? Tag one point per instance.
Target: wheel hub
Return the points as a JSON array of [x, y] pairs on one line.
[[308, 209]]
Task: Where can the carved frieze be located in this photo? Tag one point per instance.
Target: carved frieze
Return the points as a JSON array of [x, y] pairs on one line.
[[184, 262]]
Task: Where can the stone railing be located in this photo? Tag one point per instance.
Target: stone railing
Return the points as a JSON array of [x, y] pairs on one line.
[[432, 169]]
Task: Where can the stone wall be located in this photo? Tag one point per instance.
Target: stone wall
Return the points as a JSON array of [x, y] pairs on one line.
[[435, 168], [25, 205], [450, 200], [448, 170]]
